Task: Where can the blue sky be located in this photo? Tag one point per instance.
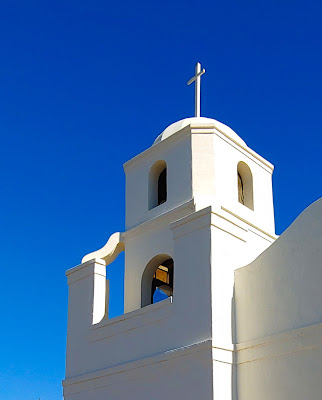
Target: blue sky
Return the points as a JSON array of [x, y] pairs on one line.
[[85, 86]]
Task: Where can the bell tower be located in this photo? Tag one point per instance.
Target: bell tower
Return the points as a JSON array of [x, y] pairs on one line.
[[199, 205]]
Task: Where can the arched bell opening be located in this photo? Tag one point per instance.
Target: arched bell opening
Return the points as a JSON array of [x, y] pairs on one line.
[[157, 280]]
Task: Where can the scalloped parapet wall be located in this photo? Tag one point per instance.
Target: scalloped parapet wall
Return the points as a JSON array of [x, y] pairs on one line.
[[282, 289], [113, 247]]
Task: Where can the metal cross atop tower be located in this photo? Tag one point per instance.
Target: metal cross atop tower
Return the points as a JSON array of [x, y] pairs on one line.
[[196, 78]]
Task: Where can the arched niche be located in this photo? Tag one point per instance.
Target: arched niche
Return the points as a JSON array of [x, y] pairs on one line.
[[245, 185], [157, 184], [158, 275]]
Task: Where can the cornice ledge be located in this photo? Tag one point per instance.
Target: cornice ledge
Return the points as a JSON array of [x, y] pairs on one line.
[[197, 128], [300, 339], [127, 322], [281, 337], [274, 237], [99, 378], [81, 271], [166, 217], [245, 148], [190, 217], [293, 341]]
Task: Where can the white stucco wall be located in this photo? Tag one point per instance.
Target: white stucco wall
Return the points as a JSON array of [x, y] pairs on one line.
[[209, 234], [201, 166], [184, 373], [281, 289], [286, 366], [176, 152], [227, 155], [153, 329], [278, 301]]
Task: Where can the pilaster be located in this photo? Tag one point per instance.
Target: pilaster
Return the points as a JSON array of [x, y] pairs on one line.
[[86, 306]]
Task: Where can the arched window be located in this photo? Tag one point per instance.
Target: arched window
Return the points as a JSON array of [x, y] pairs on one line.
[[245, 185], [157, 184], [157, 280]]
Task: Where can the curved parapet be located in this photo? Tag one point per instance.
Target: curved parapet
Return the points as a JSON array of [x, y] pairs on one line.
[[281, 290], [114, 246]]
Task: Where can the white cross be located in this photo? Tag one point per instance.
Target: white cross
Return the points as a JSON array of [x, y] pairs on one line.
[[196, 78]]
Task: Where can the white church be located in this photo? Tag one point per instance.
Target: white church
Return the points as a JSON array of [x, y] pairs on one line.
[[216, 306]]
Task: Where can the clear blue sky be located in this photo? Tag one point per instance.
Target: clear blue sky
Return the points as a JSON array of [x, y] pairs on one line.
[[87, 85]]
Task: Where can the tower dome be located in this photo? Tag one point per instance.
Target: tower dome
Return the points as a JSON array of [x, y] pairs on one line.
[[177, 126]]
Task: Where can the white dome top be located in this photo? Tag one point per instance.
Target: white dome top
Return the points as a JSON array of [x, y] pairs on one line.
[[176, 126]]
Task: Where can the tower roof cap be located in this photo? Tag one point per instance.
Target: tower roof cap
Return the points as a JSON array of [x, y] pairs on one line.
[[177, 126]]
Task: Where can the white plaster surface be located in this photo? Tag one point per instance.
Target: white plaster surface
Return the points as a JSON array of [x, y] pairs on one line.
[[282, 289], [216, 337], [186, 371], [278, 301], [201, 161]]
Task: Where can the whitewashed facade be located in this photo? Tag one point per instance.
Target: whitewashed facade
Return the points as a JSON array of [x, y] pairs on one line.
[[244, 320]]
